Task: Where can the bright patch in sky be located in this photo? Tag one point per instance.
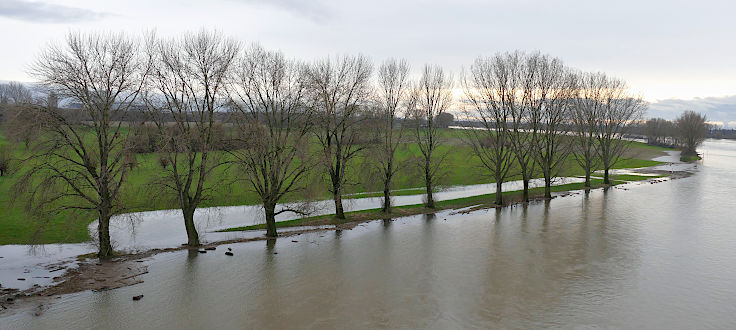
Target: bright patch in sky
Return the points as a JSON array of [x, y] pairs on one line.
[[666, 50]]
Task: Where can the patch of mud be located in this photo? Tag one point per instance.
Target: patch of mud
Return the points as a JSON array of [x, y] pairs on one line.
[[100, 275], [672, 175], [89, 274]]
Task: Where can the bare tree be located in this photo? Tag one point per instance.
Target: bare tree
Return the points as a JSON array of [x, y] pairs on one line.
[[619, 110], [522, 75], [6, 157], [692, 129], [550, 114], [189, 80], [393, 93], [586, 114], [338, 89], [21, 124], [273, 126], [81, 163], [444, 120], [14, 99], [431, 97], [491, 91], [15, 93], [657, 130]]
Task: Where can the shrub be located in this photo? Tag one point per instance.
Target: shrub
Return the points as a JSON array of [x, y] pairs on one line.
[[163, 161], [144, 139]]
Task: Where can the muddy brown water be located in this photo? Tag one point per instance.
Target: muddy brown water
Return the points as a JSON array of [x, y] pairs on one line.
[[657, 256]]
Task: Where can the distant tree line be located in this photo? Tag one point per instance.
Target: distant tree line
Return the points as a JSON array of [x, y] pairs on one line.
[[205, 103], [687, 132], [716, 132]]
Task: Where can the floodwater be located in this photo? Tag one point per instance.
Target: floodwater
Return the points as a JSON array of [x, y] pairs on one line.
[[163, 229], [142, 231], [658, 256]]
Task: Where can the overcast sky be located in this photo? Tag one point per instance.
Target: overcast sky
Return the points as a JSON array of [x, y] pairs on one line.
[[677, 54]]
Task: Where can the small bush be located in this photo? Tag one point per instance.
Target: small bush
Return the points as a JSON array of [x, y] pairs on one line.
[[149, 139], [131, 161], [144, 139], [689, 157], [163, 161]]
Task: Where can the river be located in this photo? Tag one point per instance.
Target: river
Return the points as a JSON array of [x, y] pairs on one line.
[[660, 256]]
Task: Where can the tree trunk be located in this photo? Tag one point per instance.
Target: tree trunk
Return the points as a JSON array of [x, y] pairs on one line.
[[605, 177], [270, 219], [339, 212], [499, 192], [192, 235], [428, 183], [337, 196], [103, 234], [388, 174], [548, 186], [386, 198], [587, 178], [526, 191]]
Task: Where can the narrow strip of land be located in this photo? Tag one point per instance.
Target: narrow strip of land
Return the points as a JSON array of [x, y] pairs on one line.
[[477, 202]]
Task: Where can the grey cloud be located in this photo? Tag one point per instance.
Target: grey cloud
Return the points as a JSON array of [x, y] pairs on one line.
[[716, 109], [314, 10], [35, 11]]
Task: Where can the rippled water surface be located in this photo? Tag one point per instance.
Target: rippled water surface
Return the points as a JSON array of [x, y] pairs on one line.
[[642, 255]]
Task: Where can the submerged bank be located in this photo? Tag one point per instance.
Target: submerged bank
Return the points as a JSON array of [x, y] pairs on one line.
[[476, 202]]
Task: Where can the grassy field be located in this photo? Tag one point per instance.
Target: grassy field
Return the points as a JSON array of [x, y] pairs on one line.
[[461, 168]]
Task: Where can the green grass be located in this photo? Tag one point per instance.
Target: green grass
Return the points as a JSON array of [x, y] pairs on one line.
[[689, 158], [649, 146], [18, 227]]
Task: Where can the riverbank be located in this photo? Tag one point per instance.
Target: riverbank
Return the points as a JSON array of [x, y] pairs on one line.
[[158, 231], [18, 226], [588, 256], [89, 273]]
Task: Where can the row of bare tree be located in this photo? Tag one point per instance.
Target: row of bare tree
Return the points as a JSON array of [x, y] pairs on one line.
[[534, 112], [287, 117], [18, 125]]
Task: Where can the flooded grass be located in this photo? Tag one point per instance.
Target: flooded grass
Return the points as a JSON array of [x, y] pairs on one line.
[[480, 201], [18, 226]]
